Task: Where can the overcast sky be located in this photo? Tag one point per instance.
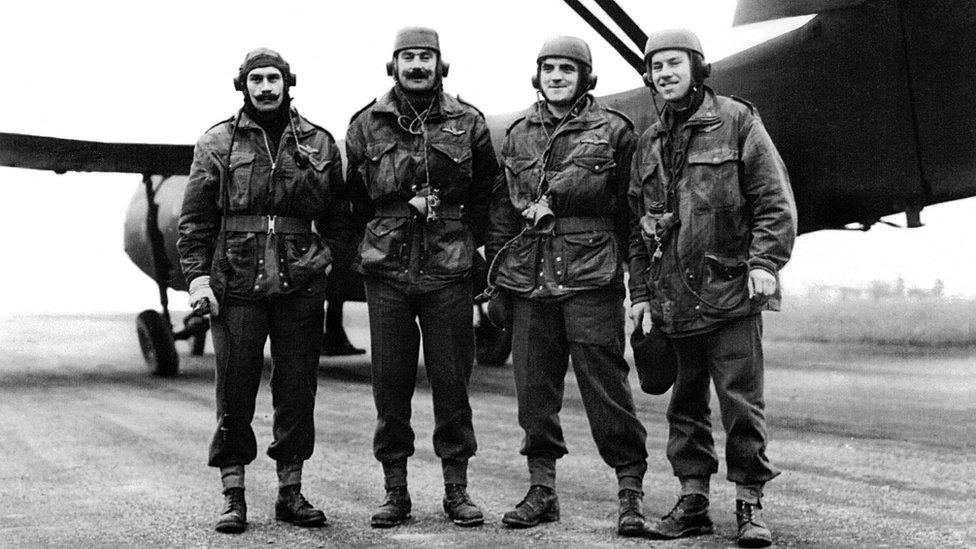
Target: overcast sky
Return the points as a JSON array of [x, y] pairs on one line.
[[161, 72]]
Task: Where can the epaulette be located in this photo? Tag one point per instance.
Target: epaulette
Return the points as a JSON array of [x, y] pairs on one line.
[[476, 109], [621, 115], [224, 121], [514, 123], [752, 108], [360, 111]]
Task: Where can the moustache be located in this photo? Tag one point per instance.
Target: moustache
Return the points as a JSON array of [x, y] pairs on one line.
[[417, 73], [267, 97]]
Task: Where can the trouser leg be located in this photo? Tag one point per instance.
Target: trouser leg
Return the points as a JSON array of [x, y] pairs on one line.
[[394, 343], [593, 321], [296, 330], [691, 448], [540, 359], [239, 334], [735, 359], [448, 339]]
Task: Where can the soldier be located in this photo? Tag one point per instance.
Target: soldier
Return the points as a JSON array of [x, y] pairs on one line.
[[420, 171], [559, 231], [250, 254], [714, 222]]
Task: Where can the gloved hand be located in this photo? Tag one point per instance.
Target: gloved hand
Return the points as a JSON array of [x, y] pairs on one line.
[[199, 291]]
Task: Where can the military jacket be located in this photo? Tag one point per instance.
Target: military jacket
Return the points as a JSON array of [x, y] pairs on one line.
[[731, 210], [391, 158], [582, 165], [235, 173]]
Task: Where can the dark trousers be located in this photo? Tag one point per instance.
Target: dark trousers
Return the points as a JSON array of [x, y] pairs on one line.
[[732, 357], [294, 324], [586, 327], [445, 320]]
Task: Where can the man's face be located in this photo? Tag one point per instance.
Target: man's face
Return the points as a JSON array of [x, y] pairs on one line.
[[416, 69], [671, 74], [266, 88], [559, 79]]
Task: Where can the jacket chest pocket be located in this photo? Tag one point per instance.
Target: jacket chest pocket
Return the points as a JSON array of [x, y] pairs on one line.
[[240, 172], [713, 178], [380, 168], [450, 164], [523, 178]]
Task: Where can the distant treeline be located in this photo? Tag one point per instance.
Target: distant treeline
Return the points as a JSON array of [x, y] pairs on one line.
[[916, 321]]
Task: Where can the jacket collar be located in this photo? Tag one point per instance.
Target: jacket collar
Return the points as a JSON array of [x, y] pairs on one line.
[[302, 126], [588, 116], [707, 114], [448, 106]]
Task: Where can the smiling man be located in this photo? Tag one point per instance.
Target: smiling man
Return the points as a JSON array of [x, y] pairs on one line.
[[258, 181], [714, 222], [420, 173], [558, 231]]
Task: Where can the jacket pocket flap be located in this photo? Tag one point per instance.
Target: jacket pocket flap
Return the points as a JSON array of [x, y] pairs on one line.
[[383, 226], [717, 156], [590, 238], [239, 159], [519, 165], [319, 163], [375, 151], [726, 267], [595, 164], [456, 153]]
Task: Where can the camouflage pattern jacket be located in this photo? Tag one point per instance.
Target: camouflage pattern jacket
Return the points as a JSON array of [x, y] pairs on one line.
[[388, 164], [585, 164], [695, 237], [252, 180]]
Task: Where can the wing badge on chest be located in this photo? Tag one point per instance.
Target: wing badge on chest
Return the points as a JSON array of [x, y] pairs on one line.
[[453, 131]]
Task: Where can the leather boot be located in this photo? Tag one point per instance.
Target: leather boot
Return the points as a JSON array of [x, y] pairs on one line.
[[395, 510], [539, 505], [689, 517], [294, 508], [459, 507], [233, 519], [753, 531], [630, 522]]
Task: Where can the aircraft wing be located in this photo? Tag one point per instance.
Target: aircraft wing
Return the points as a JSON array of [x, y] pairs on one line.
[[63, 155], [754, 11]]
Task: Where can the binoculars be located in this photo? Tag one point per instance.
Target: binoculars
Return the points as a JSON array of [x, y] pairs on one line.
[[539, 216]]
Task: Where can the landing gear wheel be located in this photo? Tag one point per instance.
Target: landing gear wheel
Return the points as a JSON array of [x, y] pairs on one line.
[[197, 343], [156, 342], [492, 346]]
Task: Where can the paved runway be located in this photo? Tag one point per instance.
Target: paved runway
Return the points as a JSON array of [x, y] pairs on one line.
[[876, 446]]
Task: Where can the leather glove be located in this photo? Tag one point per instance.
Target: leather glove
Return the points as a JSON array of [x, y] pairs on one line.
[[200, 291]]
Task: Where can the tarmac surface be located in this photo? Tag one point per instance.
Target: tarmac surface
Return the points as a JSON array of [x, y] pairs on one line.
[[876, 447]]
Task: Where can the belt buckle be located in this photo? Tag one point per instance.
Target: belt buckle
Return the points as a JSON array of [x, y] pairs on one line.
[[271, 224]]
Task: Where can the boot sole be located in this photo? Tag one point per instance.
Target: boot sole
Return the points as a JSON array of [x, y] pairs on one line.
[[755, 542], [468, 522], [230, 528], [516, 523], [308, 523], [388, 523], [686, 533], [632, 531]]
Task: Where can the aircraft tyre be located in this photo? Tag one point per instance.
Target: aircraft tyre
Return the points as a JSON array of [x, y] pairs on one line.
[[156, 342], [492, 346]]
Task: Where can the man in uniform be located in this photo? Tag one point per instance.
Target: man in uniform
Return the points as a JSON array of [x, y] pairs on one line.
[[420, 171], [559, 231], [714, 222], [258, 181]]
